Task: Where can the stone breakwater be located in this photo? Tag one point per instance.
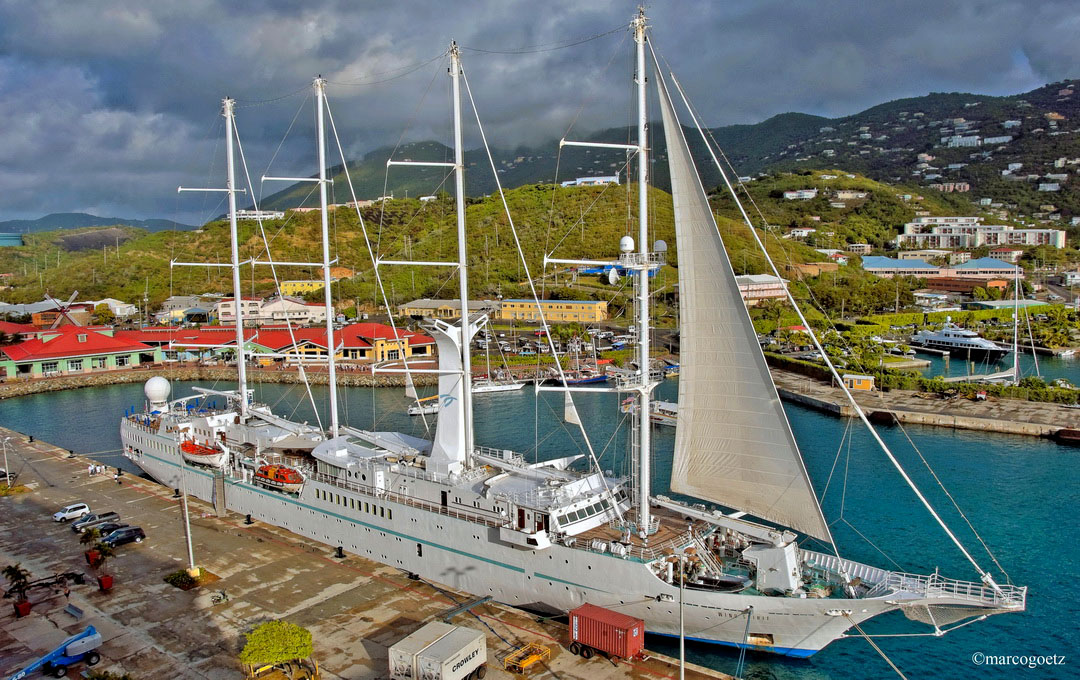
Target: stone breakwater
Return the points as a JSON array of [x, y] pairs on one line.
[[345, 378]]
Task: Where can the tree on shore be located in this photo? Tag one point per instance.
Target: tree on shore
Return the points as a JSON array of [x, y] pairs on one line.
[[275, 642]]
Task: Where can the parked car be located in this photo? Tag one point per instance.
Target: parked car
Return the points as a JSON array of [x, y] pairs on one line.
[[73, 511], [124, 535], [5, 477], [80, 526], [107, 528]]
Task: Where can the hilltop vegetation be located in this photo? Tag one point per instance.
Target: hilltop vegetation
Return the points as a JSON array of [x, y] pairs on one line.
[[562, 222]]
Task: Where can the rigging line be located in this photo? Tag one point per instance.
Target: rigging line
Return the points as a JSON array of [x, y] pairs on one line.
[[296, 115], [871, 543], [876, 648], [986, 576], [532, 286], [273, 269], [836, 460], [401, 72], [588, 209], [248, 103], [371, 255], [546, 47], [952, 500]]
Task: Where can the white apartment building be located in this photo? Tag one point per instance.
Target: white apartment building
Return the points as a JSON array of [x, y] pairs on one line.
[[969, 232], [226, 310], [757, 287], [260, 215], [282, 309]]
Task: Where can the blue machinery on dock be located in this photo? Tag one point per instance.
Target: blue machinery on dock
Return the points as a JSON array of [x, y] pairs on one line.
[[79, 647]]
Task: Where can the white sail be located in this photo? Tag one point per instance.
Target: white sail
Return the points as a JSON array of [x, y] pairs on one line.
[[733, 443]]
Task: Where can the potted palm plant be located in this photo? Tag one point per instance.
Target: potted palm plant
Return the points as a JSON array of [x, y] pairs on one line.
[[96, 556], [18, 578]]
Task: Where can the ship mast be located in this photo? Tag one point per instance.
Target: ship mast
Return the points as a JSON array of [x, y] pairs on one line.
[[645, 386], [227, 105], [463, 274], [331, 346]]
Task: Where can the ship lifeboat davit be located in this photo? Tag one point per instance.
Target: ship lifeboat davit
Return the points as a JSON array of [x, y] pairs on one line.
[[198, 454], [280, 477]]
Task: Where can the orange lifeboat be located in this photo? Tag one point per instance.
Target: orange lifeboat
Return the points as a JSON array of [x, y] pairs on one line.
[[280, 477]]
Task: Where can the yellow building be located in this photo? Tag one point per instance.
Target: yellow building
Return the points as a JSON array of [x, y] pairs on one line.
[[858, 382], [555, 311], [446, 309], [297, 288]]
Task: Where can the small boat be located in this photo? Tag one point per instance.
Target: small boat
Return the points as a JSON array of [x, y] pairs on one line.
[[660, 412], [425, 407], [280, 478], [486, 385], [198, 454], [1067, 353], [584, 377]]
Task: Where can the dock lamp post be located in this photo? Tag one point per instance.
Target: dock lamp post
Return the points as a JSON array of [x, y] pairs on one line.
[[193, 571], [7, 470]]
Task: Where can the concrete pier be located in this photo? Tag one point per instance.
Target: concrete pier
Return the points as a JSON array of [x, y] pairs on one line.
[[355, 608], [1006, 416]]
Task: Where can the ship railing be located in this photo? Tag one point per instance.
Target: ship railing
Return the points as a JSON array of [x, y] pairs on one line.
[[404, 499], [515, 458], [936, 586]]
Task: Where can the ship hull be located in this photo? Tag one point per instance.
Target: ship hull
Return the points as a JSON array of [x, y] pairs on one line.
[[991, 354], [468, 556]]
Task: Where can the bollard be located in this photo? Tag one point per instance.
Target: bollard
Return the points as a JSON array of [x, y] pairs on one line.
[[176, 493], [248, 521], [340, 554]]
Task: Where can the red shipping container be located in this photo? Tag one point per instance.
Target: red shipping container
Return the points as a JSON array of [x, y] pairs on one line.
[[613, 633]]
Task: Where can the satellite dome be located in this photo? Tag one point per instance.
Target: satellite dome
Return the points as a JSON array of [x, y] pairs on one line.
[[660, 247], [157, 390], [626, 244]]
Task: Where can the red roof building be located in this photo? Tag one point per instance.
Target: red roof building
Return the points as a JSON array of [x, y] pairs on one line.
[[71, 350]]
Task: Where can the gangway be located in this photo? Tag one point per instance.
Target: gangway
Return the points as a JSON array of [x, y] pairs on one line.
[[79, 647]]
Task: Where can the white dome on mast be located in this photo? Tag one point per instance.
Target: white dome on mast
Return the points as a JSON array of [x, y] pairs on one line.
[[157, 390]]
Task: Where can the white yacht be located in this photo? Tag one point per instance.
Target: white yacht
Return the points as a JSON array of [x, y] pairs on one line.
[[960, 343]]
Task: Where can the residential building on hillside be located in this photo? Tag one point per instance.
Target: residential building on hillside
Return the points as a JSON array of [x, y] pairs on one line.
[[860, 248], [985, 268], [294, 288], [447, 309], [556, 311], [591, 181], [924, 255], [1006, 254], [249, 306], [757, 287], [78, 314], [121, 310], [800, 194], [969, 232], [72, 350], [260, 215], [800, 232]]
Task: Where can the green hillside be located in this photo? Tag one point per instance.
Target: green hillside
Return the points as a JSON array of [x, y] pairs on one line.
[[548, 220]]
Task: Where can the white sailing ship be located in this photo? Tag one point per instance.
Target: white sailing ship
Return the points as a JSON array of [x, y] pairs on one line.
[[548, 535]]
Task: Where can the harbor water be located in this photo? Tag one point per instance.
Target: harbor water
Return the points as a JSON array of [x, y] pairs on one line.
[[1019, 493]]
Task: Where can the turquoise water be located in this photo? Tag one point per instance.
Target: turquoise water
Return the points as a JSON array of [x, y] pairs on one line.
[[1020, 493]]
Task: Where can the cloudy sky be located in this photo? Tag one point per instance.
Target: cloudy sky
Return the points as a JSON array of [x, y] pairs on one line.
[[107, 106]]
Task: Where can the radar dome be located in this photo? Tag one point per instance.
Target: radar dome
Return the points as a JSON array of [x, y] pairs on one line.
[[157, 390], [626, 244], [660, 246]]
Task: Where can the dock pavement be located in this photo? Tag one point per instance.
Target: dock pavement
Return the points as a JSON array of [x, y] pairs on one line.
[[355, 608]]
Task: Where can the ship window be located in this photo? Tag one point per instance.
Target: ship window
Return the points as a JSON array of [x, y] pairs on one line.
[[595, 508], [389, 514], [365, 507], [382, 512]]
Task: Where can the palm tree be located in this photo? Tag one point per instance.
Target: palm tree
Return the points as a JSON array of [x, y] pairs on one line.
[[17, 578]]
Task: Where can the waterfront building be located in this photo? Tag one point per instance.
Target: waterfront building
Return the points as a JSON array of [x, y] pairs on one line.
[[888, 267], [966, 285], [73, 350], [446, 309], [287, 309], [555, 311]]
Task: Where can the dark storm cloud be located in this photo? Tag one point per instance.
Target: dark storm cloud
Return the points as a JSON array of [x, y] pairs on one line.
[[107, 106]]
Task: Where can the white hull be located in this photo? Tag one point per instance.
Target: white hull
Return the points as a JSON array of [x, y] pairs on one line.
[[482, 388], [469, 556]]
